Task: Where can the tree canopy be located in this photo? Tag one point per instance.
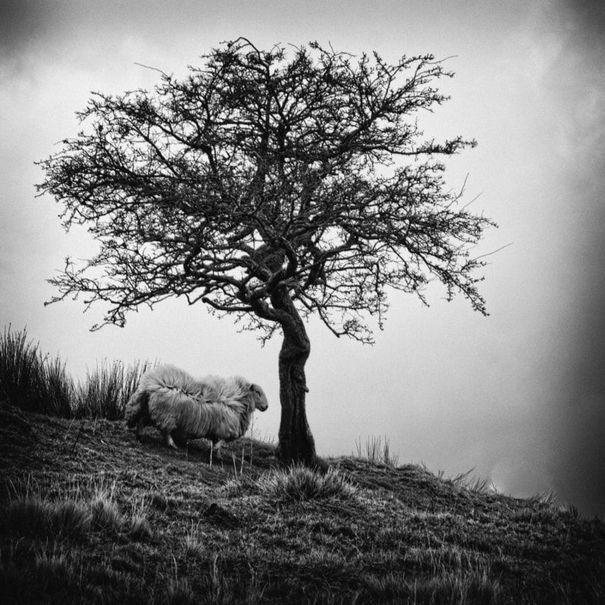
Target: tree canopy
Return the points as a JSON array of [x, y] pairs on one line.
[[262, 168], [269, 185]]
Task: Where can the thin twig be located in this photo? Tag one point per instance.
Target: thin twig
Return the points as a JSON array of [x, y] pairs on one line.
[[494, 251], [152, 68]]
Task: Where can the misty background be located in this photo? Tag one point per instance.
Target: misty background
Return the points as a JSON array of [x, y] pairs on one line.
[[517, 396]]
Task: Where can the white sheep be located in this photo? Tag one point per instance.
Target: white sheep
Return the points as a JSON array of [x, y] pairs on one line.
[[181, 407]]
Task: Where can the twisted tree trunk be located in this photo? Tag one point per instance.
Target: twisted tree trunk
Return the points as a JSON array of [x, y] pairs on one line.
[[296, 443]]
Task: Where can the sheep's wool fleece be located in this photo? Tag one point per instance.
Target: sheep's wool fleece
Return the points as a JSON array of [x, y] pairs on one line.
[[213, 407]]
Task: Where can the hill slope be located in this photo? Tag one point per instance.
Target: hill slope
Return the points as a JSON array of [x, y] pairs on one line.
[[90, 515]]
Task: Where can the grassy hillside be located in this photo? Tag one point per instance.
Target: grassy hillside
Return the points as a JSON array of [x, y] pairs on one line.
[[90, 515]]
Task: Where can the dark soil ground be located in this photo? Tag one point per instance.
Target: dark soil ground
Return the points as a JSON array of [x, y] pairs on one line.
[[90, 515]]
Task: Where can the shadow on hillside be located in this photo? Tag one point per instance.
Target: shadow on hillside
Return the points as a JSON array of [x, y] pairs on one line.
[[245, 450]]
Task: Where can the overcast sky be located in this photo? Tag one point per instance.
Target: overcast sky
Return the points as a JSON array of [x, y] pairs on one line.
[[519, 395]]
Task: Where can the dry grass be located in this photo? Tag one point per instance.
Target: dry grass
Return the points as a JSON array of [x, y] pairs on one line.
[[120, 521], [376, 450], [31, 380], [299, 483], [65, 516], [39, 383], [106, 390]]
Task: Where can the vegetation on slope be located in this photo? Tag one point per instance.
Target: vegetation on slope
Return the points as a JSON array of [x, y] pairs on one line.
[[36, 382], [90, 515]]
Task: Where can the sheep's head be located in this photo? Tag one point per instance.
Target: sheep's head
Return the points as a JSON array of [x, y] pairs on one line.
[[260, 399]]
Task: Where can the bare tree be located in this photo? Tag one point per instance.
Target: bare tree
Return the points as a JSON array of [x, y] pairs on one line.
[[269, 185]]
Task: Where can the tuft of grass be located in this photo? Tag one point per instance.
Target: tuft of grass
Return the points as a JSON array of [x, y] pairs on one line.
[[54, 571], [299, 483], [40, 383], [472, 483], [193, 544], [73, 517], [376, 450], [242, 484], [444, 588], [42, 520], [107, 389], [105, 514], [30, 380], [139, 526]]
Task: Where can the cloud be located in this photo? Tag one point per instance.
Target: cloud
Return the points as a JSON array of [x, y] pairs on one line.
[[22, 22]]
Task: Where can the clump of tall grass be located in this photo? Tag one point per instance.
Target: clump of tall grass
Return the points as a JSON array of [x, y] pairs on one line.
[[194, 546], [471, 483], [299, 483], [30, 380], [104, 512], [376, 450], [41, 519], [139, 527], [107, 389], [74, 516], [39, 383]]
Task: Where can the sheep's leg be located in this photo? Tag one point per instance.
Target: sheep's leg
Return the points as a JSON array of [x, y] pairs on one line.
[[217, 447], [139, 428], [170, 442]]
